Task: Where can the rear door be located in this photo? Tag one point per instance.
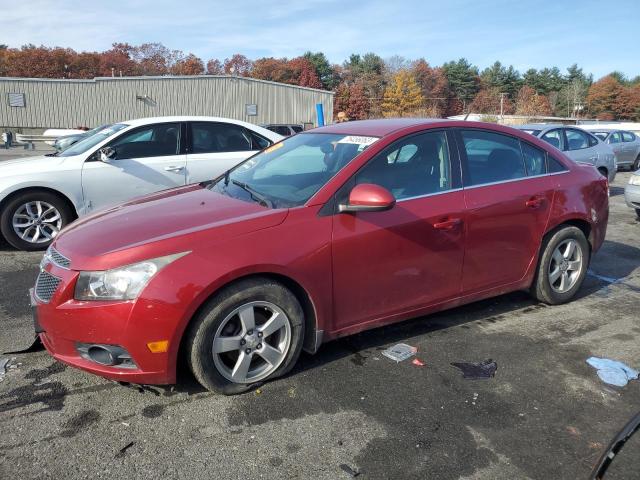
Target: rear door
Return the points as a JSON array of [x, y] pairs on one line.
[[615, 142], [629, 147], [215, 147], [148, 159], [392, 262], [508, 197]]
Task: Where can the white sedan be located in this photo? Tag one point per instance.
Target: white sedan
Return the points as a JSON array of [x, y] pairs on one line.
[[40, 195]]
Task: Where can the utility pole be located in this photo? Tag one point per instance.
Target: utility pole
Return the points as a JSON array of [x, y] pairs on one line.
[[502, 95]]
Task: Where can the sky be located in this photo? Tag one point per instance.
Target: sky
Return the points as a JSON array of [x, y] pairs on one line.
[[600, 36]]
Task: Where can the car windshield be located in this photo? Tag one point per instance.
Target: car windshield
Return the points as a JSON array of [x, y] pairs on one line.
[[288, 173], [601, 135], [91, 141]]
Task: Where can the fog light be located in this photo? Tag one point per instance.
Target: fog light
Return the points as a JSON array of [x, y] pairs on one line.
[[108, 355]]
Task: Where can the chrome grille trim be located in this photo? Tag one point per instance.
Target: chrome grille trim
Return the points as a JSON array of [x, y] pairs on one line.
[[59, 259], [46, 286]]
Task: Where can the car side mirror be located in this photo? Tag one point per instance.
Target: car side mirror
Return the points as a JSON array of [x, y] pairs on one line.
[[367, 197], [107, 154]]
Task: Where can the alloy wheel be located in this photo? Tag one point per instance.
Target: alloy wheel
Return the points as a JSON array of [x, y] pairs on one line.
[[36, 222], [251, 342], [565, 266]]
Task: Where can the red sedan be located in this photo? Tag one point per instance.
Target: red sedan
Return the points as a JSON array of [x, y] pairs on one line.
[[327, 233]]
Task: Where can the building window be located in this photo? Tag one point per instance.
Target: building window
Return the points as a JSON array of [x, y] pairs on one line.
[[16, 99]]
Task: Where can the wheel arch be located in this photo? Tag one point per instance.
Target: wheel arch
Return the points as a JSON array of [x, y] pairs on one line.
[[20, 191], [312, 334], [584, 225]]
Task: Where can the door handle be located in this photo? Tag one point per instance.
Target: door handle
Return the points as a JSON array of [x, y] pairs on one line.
[[174, 168], [534, 202], [449, 224]]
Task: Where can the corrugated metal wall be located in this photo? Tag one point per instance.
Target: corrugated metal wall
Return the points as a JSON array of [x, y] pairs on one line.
[[71, 103]]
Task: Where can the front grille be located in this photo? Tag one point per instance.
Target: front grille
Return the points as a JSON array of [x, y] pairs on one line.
[[46, 286], [58, 258]]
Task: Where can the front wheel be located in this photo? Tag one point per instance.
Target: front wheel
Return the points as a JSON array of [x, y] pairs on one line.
[[562, 267], [247, 333], [31, 220]]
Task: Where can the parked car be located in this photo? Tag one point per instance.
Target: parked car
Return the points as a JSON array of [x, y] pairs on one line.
[[40, 195], [325, 234], [632, 192], [578, 145], [64, 142], [284, 129], [626, 146]]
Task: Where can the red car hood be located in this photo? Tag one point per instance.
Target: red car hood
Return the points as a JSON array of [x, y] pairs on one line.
[[134, 230]]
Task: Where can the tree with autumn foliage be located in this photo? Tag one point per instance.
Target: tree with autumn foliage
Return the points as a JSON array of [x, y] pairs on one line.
[[487, 101], [189, 65], [602, 98], [403, 96], [238, 65], [530, 103], [434, 85], [352, 100], [214, 67]]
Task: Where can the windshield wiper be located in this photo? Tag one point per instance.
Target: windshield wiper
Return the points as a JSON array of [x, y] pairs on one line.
[[54, 154], [254, 194]]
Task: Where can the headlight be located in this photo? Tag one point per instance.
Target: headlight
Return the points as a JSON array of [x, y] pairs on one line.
[[124, 283], [634, 180]]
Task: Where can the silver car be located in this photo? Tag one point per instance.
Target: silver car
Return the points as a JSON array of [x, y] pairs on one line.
[[578, 145], [632, 192], [625, 144]]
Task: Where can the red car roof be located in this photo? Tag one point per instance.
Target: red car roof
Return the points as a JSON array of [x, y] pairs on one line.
[[376, 128]]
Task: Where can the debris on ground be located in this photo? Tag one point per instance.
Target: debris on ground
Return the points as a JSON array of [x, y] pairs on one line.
[[4, 364], [473, 370], [418, 363], [613, 372], [349, 471], [400, 352], [124, 449]]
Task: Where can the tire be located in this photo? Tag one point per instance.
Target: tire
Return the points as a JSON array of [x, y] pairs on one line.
[[225, 316], [547, 287], [51, 211], [636, 164], [603, 172], [638, 213]]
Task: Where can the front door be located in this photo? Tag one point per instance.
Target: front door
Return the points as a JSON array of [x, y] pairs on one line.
[[508, 197], [147, 159], [216, 147], [411, 256]]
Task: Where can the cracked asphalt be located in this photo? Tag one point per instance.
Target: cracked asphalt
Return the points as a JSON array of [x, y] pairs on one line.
[[544, 415]]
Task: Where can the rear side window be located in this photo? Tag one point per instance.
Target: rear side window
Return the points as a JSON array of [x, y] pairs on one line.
[[534, 159], [628, 137], [492, 157], [577, 140], [210, 137], [554, 166], [614, 137], [553, 137], [296, 128]]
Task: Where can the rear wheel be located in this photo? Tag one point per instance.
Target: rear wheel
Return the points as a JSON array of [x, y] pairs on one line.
[[562, 266], [636, 164], [31, 220], [248, 333]]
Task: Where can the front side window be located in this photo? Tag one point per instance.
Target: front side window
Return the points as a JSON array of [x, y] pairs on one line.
[[492, 157], [553, 137], [158, 140], [296, 128], [416, 166], [91, 141], [577, 140], [290, 172], [628, 137]]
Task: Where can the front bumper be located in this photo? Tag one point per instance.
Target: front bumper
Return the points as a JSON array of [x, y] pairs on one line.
[[632, 196], [65, 324]]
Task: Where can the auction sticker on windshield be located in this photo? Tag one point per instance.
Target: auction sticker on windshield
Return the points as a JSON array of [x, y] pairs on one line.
[[358, 140]]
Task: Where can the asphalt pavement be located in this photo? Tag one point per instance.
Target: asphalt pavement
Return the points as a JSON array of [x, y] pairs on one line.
[[545, 414]]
